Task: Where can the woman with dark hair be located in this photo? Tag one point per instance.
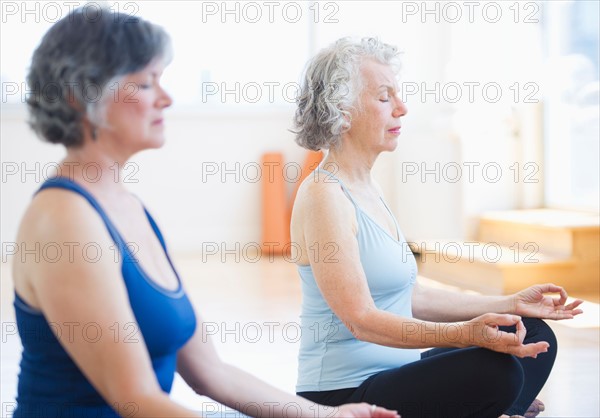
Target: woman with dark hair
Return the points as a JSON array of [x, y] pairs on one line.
[[103, 335], [364, 314]]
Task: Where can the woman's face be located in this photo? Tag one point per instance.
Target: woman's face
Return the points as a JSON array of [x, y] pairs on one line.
[[375, 123], [134, 112]]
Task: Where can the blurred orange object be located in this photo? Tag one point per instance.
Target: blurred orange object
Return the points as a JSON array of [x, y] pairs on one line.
[[276, 211], [275, 228]]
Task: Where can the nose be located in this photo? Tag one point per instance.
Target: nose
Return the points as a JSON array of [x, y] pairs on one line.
[[400, 108], [164, 99]]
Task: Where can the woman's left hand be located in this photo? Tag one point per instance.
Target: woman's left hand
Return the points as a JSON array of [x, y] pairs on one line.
[[532, 303], [364, 410]]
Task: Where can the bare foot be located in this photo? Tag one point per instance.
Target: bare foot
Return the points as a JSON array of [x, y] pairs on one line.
[[535, 408]]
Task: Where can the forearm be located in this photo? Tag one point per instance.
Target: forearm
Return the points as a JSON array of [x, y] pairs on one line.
[[146, 405], [384, 328], [430, 304], [246, 393]]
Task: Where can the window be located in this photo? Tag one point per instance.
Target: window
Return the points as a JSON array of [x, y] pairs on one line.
[[572, 113]]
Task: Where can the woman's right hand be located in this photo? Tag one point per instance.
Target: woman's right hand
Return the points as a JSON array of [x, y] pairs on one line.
[[483, 331]]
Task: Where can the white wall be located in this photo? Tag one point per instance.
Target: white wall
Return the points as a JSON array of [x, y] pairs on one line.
[[190, 209]]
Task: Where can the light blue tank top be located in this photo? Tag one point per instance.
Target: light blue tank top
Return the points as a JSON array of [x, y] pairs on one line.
[[330, 356]]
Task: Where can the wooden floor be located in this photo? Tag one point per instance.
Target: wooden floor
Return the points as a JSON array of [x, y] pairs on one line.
[[251, 310]]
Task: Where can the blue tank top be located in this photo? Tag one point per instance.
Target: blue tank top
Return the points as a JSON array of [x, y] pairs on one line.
[[330, 356], [51, 384]]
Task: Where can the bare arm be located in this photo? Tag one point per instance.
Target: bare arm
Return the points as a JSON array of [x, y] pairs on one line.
[[74, 292], [203, 370], [442, 305]]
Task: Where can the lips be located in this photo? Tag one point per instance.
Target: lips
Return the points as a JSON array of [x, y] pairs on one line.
[[395, 130], [157, 122]]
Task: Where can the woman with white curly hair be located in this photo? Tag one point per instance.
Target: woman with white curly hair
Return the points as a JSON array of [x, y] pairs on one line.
[[364, 315]]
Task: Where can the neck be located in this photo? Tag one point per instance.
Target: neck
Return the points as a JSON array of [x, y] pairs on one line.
[[353, 164], [94, 166]]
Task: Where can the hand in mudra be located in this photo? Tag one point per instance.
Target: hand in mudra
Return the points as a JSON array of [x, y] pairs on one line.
[[533, 303], [484, 331]]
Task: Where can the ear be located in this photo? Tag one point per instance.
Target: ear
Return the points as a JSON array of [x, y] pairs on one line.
[[89, 128], [347, 115]]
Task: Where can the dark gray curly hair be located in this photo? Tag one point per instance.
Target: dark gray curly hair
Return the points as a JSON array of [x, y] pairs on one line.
[[78, 59], [330, 87]]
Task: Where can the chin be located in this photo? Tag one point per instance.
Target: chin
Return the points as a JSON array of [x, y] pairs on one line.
[[155, 143], [391, 146]]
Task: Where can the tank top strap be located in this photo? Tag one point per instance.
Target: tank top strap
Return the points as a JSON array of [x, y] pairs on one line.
[[68, 184], [331, 178], [398, 233], [156, 229]]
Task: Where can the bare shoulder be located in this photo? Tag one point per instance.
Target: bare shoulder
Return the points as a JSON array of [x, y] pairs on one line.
[[61, 239], [56, 214], [322, 206], [320, 193], [322, 214]]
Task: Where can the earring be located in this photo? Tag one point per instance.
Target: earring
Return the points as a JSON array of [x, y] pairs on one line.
[[94, 133]]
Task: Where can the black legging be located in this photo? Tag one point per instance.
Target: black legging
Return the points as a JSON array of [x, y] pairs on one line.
[[457, 382]]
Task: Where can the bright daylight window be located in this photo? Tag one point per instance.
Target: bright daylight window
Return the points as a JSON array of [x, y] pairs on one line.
[[572, 113]]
